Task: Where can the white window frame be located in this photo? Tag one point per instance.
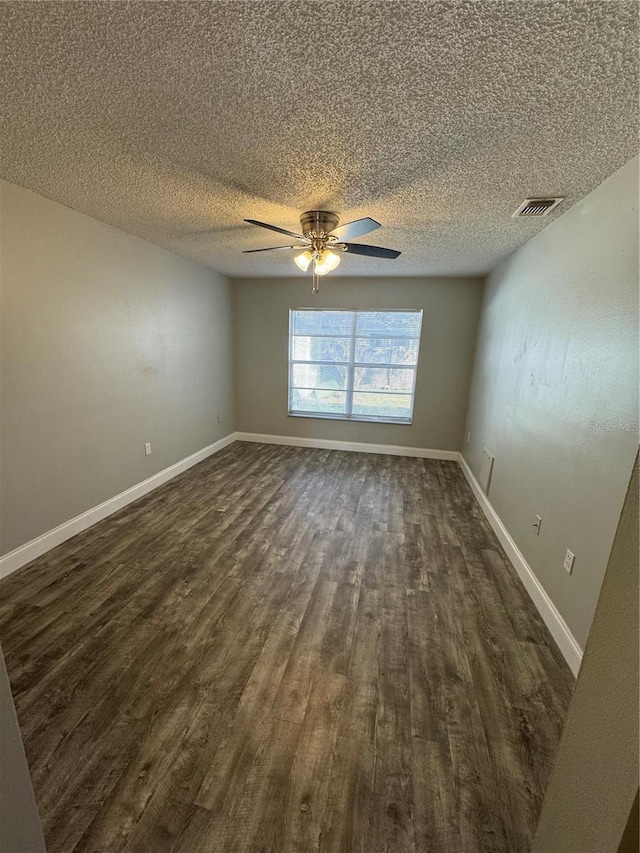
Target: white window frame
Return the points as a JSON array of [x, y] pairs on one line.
[[351, 365]]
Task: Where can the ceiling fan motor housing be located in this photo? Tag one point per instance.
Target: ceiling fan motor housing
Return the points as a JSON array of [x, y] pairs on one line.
[[317, 222]]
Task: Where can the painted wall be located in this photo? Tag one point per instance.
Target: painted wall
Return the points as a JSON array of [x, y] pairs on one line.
[[107, 342], [451, 310], [20, 830], [595, 778], [555, 390]]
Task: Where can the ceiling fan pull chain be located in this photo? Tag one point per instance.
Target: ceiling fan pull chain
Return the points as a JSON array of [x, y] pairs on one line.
[[314, 287]]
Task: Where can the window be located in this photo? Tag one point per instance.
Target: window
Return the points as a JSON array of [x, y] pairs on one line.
[[355, 365]]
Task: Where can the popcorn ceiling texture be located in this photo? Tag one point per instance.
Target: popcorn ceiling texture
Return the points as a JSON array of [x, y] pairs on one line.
[[176, 120]]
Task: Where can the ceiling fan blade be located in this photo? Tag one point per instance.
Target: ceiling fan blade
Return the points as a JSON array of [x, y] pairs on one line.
[[371, 251], [270, 249], [274, 228], [357, 228]]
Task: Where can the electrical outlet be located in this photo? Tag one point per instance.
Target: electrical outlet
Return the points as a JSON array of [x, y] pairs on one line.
[[147, 449], [219, 419], [537, 524], [468, 437], [569, 557]]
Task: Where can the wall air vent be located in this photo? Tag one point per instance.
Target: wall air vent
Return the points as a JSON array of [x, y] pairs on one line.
[[537, 207], [486, 470]]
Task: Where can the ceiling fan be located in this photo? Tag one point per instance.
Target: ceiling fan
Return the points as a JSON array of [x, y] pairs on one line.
[[322, 239]]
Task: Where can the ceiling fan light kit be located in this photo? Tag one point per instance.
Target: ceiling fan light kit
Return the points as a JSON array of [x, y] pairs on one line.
[[323, 262], [322, 239]]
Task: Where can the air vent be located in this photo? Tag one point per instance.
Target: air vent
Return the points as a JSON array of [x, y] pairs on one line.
[[537, 206], [486, 470]]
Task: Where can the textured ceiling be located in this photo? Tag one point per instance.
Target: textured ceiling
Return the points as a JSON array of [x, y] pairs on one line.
[[176, 120]]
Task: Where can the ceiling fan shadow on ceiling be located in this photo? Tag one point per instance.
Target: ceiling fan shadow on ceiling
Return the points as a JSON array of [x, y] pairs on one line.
[[323, 239]]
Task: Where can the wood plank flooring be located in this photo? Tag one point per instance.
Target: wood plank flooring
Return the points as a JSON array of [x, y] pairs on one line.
[[281, 650]]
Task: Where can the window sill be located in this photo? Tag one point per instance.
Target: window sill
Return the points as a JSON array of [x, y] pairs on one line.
[[367, 419]]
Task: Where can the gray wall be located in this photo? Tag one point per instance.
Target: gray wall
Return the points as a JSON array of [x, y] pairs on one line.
[[595, 778], [107, 342], [20, 830], [555, 390], [451, 310]]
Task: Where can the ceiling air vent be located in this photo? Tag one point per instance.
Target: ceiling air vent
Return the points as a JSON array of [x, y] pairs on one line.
[[537, 207]]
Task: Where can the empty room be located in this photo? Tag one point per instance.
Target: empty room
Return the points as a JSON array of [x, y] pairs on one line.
[[319, 426]]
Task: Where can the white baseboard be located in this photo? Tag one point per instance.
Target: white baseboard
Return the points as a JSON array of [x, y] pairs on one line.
[[559, 629], [37, 547], [353, 446]]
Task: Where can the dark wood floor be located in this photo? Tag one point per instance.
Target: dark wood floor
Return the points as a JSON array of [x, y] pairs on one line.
[[284, 650]]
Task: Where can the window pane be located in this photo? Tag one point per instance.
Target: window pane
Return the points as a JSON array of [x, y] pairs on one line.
[[322, 322], [383, 379], [325, 402], [325, 347], [379, 323], [327, 376], [381, 351], [307, 348], [382, 405]]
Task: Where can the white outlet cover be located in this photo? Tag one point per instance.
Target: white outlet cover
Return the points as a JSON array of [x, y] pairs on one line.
[[568, 561], [147, 449]]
